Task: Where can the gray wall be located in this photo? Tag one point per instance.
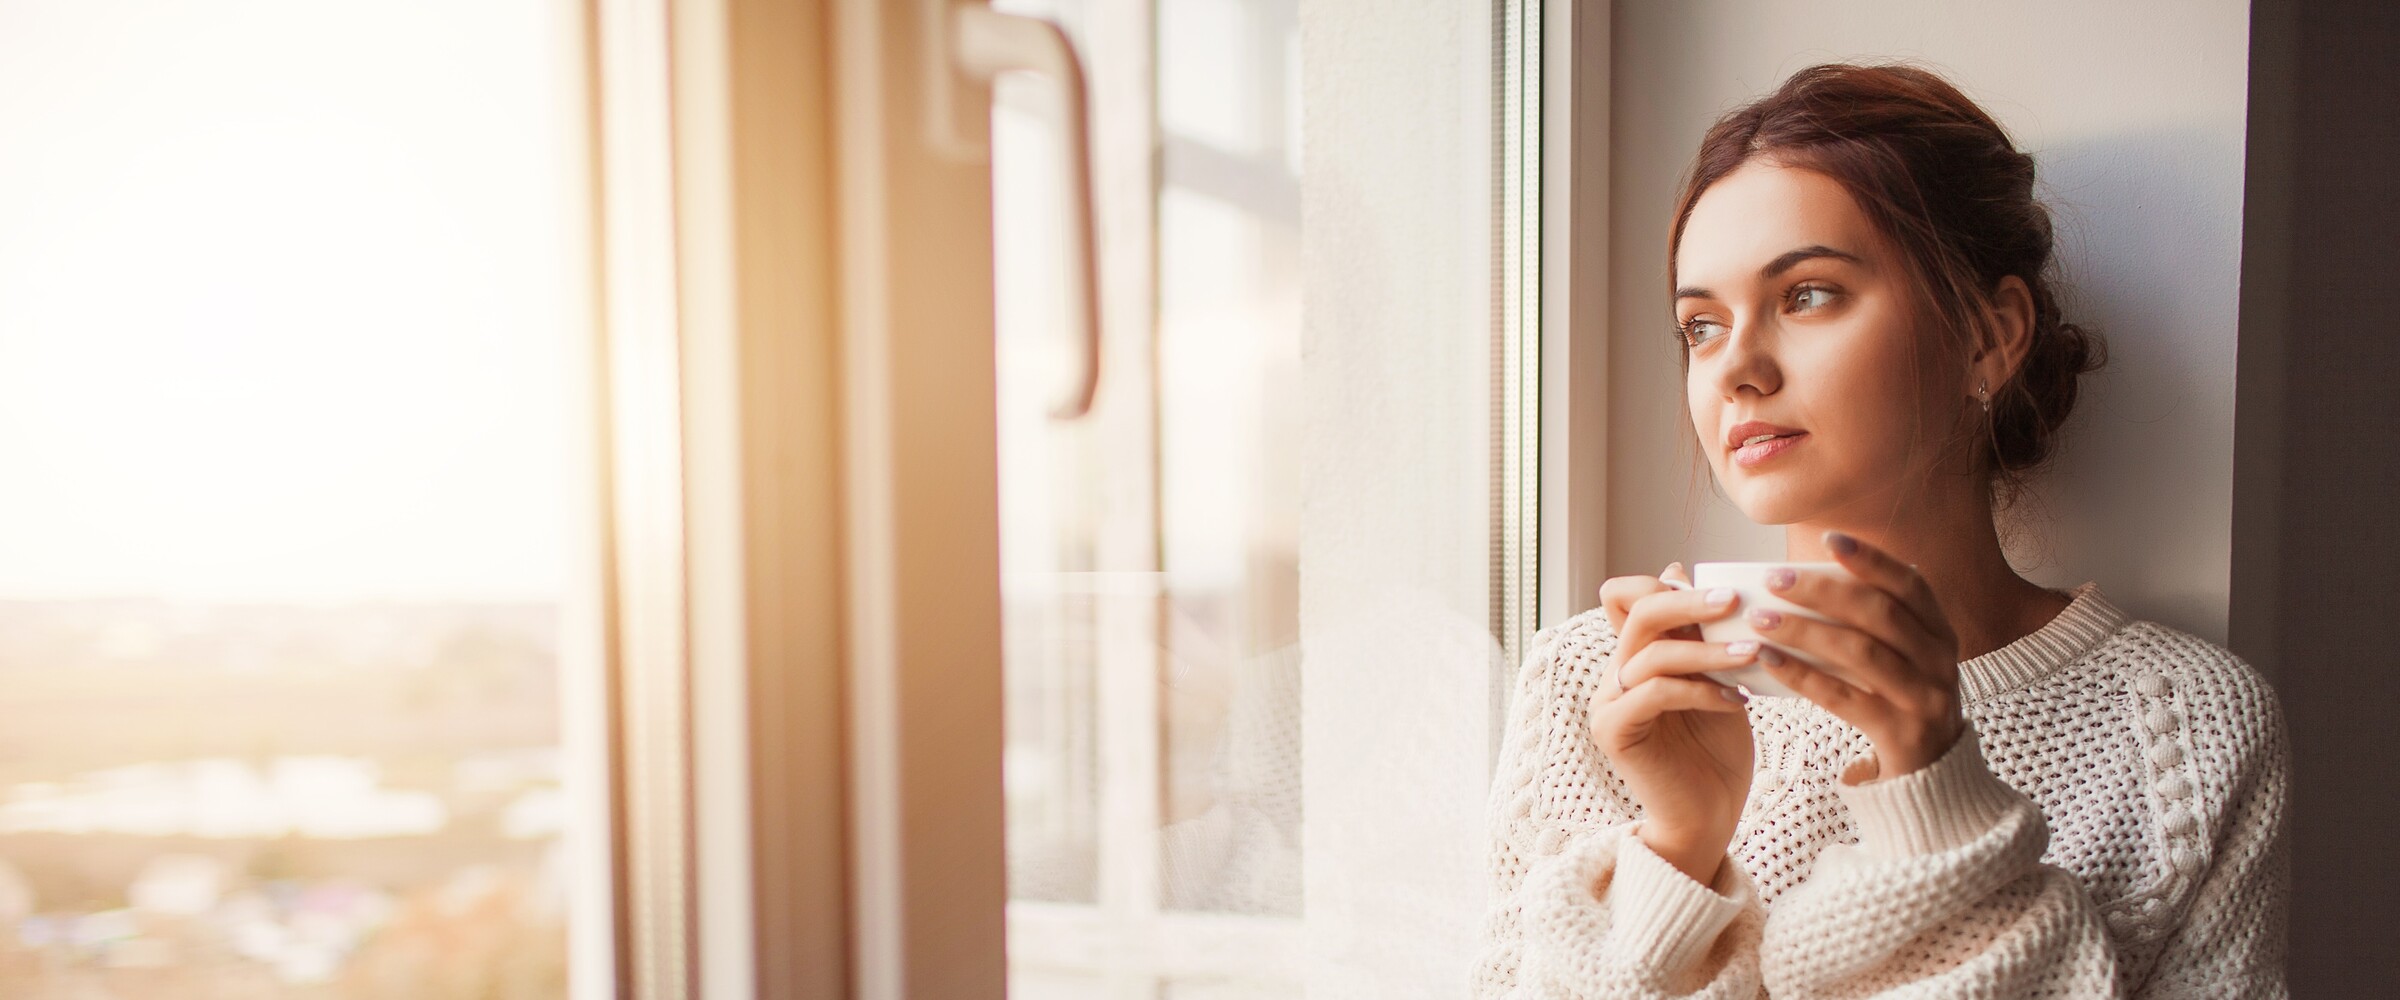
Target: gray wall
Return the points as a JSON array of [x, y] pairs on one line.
[[2316, 560], [2134, 111]]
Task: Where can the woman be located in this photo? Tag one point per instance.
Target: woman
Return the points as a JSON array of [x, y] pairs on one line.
[[1991, 788]]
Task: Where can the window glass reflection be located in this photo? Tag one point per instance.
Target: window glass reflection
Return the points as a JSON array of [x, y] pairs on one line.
[[1229, 454]]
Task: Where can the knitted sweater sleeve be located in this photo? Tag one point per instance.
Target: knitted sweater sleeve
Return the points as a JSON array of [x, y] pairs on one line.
[[1943, 895], [1581, 908], [2233, 939]]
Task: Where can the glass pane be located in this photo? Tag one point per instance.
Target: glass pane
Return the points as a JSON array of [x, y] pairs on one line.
[[286, 295], [1049, 521], [1154, 541], [1229, 407]]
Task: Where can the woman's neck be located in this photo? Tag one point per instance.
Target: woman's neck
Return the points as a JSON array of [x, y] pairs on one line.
[[1958, 551]]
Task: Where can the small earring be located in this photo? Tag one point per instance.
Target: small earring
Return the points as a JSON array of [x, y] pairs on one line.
[[1979, 394]]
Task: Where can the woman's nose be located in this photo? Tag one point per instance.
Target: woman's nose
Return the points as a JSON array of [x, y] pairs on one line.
[[1748, 358]]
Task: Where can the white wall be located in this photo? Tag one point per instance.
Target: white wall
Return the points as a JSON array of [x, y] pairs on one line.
[[2135, 113]]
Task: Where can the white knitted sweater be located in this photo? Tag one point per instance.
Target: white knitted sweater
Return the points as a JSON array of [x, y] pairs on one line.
[[2112, 824]]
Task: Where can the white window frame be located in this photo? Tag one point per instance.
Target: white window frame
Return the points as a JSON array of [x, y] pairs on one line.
[[1574, 305]]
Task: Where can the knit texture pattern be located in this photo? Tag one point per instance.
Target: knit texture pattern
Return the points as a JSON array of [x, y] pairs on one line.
[[2112, 824]]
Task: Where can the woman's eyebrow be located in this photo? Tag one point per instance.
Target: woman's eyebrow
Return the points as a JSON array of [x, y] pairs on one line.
[[1791, 258], [1783, 262]]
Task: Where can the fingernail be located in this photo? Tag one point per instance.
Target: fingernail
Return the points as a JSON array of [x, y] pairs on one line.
[[1770, 656], [1672, 567], [1780, 578], [1841, 543], [1734, 695], [1720, 597], [1764, 618], [1741, 647]]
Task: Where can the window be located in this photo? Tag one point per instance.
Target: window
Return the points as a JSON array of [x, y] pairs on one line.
[[615, 602]]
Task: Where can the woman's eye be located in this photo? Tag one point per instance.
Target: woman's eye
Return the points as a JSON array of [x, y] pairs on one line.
[[1697, 330], [1810, 297]]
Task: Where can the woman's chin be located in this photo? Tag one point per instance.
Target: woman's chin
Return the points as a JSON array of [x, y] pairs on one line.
[[1772, 503]]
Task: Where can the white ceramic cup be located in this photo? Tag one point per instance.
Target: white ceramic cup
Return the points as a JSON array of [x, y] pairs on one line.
[[1749, 579]]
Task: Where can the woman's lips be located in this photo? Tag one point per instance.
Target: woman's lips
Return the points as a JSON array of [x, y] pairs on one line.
[[1749, 455]]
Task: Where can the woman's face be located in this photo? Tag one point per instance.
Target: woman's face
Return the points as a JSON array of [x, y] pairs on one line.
[[1798, 313]]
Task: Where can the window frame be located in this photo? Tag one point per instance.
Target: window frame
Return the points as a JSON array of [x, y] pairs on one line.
[[721, 597], [1573, 204]]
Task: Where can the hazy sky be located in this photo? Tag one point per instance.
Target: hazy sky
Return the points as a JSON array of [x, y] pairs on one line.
[[283, 298]]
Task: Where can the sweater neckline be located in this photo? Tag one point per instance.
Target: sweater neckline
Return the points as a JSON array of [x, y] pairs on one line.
[[2088, 618]]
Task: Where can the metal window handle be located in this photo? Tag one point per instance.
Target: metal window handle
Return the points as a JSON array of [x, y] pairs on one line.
[[983, 43]]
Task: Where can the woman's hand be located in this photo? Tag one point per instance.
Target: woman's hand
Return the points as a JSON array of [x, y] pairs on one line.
[[1891, 665], [1682, 743]]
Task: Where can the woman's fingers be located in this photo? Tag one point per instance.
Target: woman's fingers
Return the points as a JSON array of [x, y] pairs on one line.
[[1683, 657], [1849, 655], [1866, 608], [1618, 594], [1661, 613], [1635, 609], [1897, 583], [1832, 693], [1632, 712], [1676, 576]]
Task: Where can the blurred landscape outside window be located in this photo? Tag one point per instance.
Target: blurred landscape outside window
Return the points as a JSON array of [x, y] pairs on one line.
[[287, 295]]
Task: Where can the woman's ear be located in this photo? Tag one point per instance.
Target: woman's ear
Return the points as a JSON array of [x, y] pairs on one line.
[[2007, 333]]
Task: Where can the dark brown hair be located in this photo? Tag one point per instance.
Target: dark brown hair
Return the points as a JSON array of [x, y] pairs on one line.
[[1945, 184]]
